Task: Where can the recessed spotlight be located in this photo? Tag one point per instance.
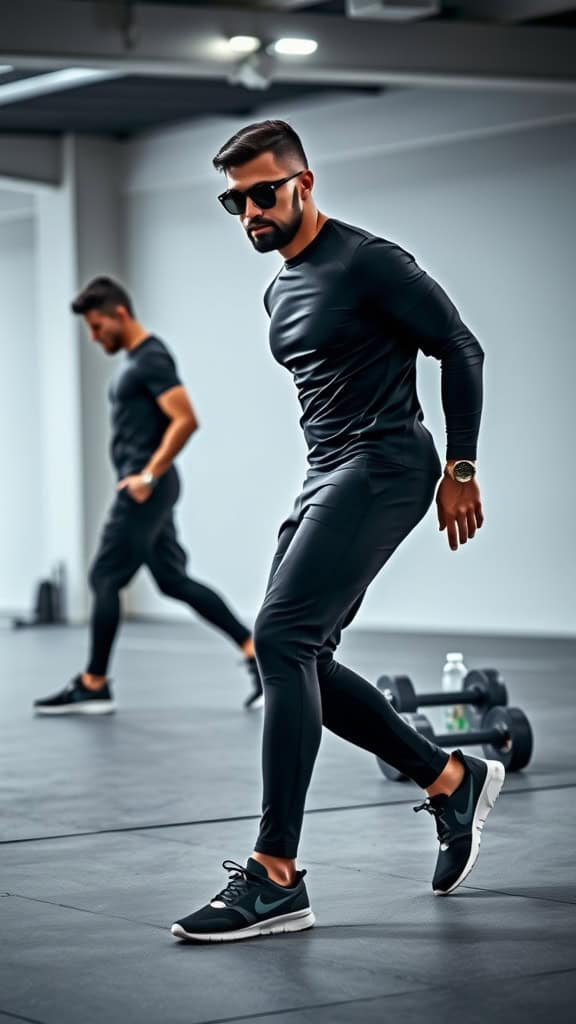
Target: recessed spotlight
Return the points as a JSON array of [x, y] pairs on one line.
[[244, 44], [295, 47]]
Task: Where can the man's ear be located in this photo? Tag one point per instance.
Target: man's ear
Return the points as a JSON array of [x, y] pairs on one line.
[[307, 180]]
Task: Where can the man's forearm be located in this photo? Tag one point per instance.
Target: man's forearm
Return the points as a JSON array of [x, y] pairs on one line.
[[175, 437], [462, 398]]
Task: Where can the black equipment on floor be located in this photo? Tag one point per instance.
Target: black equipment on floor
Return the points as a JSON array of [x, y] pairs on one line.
[[505, 735], [483, 689], [49, 603]]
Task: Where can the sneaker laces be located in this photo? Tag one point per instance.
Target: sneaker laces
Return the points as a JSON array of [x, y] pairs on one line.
[[237, 883], [442, 826]]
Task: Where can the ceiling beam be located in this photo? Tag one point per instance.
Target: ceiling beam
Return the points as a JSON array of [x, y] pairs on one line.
[[176, 40], [53, 81], [513, 11], [278, 5]]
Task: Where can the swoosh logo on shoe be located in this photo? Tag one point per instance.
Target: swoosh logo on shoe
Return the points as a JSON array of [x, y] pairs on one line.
[[465, 818], [263, 908]]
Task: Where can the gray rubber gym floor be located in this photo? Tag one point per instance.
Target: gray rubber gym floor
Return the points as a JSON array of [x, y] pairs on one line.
[[112, 827]]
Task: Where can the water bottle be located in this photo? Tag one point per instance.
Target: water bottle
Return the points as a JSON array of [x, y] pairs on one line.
[[453, 675]]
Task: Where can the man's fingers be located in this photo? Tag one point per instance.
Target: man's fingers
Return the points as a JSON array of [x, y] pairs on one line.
[[451, 527], [479, 514], [462, 527], [472, 524]]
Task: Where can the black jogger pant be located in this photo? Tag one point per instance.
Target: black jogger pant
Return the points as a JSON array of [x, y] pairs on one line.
[[345, 526], [136, 535]]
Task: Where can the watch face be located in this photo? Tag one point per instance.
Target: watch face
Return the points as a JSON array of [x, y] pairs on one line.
[[463, 472]]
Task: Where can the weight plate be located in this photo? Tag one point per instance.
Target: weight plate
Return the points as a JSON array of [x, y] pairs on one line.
[[392, 774], [489, 682], [518, 741], [423, 726], [400, 692]]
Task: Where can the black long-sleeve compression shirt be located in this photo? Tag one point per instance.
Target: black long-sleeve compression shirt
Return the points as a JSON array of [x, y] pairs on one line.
[[348, 316]]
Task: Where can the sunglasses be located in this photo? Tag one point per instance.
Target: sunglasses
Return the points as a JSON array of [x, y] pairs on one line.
[[263, 195]]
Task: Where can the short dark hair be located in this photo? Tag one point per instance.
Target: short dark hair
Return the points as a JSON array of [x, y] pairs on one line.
[[276, 137], [102, 293]]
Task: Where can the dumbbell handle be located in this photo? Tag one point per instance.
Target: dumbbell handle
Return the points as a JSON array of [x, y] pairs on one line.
[[474, 695], [496, 737]]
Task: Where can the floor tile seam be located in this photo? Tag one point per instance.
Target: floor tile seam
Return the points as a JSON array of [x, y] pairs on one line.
[[314, 956], [521, 895], [481, 980], [265, 1014], [313, 862], [85, 910], [415, 880], [17, 1016], [121, 830]]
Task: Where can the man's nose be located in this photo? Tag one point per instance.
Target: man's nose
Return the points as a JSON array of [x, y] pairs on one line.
[[251, 211]]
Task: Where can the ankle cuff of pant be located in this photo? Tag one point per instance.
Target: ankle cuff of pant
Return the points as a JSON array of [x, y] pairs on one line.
[[435, 768], [286, 850]]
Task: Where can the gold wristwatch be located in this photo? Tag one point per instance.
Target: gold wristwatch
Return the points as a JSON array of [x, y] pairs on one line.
[[462, 471]]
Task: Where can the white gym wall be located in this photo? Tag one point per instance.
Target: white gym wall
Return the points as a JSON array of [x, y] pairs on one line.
[[487, 205], [479, 185], [20, 524]]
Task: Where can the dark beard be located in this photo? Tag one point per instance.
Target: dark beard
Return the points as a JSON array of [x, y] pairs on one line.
[[277, 237], [115, 346]]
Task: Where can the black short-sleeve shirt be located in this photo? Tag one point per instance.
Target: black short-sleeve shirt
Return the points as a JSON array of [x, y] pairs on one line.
[[138, 423]]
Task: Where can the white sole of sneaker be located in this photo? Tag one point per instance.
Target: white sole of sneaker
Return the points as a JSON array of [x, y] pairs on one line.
[[493, 782], [101, 707], [296, 922]]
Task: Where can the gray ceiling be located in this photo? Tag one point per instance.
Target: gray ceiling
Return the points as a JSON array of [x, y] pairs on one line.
[[168, 73], [125, 106]]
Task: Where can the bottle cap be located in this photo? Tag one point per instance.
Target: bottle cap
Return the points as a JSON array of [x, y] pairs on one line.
[[454, 656]]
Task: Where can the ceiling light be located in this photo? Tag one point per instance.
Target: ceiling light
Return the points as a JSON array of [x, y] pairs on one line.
[[244, 44], [5, 68], [295, 47]]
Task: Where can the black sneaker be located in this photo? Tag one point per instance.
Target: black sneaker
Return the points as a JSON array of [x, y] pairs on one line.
[[77, 699], [460, 819], [256, 698], [250, 905]]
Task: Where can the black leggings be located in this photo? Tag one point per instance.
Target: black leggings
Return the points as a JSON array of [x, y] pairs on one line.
[[145, 534], [345, 526]]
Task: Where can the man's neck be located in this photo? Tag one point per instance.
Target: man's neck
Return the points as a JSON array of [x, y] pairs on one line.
[[311, 225], [135, 335]]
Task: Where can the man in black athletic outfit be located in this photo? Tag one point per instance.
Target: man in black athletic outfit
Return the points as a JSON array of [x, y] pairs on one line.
[[348, 314], [152, 419]]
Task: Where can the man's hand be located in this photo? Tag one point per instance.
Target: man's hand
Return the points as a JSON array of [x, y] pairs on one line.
[[459, 510], [138, 491]]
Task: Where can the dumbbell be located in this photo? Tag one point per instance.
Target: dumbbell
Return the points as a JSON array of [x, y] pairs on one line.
[[483, 689], [505, 735]]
